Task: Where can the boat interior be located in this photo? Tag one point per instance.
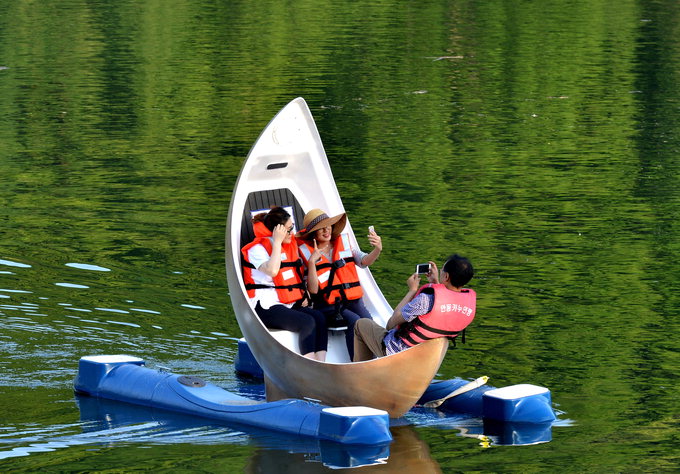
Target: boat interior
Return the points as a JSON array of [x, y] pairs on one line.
[[262, 201]]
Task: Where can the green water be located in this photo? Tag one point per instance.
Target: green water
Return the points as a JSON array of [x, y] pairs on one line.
[[539, 139]]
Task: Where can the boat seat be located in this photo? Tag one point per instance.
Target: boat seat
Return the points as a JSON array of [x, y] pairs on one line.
[[289, 339], [337, 348], [263, 201]]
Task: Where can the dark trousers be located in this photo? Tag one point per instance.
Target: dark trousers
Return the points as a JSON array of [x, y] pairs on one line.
[[352, 311], [309, 323]]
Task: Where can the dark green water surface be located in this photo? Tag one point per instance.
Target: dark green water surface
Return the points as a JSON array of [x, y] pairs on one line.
[[541, 139]]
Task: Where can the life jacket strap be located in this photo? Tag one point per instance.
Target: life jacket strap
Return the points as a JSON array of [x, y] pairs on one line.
[[448, 333], [340, 286], [341, 262], [413, 327], [296, 264], [259, 286], [246, 263]]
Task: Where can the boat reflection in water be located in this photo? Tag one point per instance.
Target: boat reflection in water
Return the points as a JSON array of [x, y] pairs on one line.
[[488, 432], [407, 453]]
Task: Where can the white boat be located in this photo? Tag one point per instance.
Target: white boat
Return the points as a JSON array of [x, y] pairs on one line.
[[288, 167]]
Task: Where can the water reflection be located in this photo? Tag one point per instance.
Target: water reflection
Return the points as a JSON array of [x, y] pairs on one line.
[[494, 433], [407, 453], [112, 422], [141, 425]]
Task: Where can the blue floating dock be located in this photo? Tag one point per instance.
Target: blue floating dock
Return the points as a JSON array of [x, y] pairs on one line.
[[132, 423], [127, 379], [522, 403]]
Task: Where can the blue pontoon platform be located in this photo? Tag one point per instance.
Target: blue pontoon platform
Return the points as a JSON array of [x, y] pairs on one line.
[[127, 379]]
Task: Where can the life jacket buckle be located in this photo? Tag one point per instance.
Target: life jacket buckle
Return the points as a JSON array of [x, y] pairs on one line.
[[339, 263]]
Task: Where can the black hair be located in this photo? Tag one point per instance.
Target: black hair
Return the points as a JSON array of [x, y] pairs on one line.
[[459, 269], [276, 215]]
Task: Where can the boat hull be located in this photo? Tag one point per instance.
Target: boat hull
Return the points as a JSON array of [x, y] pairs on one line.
[[288, 166]]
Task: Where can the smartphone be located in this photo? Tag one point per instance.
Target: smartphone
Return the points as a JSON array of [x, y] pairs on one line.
[[422, 268]]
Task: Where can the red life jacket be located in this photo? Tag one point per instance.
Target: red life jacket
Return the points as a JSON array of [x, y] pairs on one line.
[[288, 282], [451, 312], [342, 280]]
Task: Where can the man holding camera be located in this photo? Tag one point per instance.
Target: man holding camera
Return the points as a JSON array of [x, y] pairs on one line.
[[435, 310]]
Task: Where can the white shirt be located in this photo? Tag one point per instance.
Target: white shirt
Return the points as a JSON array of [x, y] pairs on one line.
[[268, 297]]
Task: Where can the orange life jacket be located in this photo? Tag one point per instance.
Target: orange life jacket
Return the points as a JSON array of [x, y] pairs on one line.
[[288, 282], [451, 313], [339, 278]]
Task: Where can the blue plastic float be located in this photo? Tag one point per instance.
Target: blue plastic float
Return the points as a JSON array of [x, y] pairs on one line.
[[517, 414], [125, 378], [522, 403], [110, 421]]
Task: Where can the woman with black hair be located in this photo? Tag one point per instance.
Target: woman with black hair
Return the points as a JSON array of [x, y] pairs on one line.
[[272, 272]]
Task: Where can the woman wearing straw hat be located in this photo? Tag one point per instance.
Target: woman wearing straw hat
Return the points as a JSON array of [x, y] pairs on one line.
[[273, 277], [331, 262]]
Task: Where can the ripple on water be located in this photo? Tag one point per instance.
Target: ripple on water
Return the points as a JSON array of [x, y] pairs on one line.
[[191, 306], [111, 310], [14, 264], [30, 309], [71, 285], [122, 323], [87, 266], [137, 428], [144, 311]]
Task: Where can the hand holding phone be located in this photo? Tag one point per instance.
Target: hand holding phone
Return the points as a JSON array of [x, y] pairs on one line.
[[375, 240]]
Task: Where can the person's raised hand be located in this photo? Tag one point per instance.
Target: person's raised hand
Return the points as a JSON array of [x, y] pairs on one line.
[[316, 254], [433, 273], [279, 233], [374, 239], [413, 282]]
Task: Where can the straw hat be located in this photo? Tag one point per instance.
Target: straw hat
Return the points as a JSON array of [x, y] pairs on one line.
[[317, 219]]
